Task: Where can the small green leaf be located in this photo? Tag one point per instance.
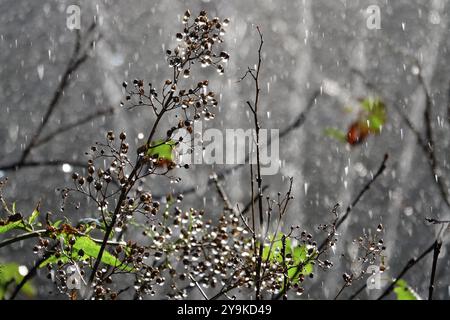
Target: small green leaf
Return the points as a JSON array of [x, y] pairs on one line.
[[376, 117], [161, 149], [33, 216], [404, 291], [12, 225], [299, 254], [336, 134], [308, 269], [57, 223], [275, 252]]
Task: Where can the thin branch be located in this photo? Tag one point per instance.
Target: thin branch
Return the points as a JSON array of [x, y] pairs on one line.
[[245, 221], [248, 206], [358, 197], [436, 252], [32, 272], [411, 263], [258, 165], [199, 287], [285, 269], [436, 221], [301, 118], [339, 221], [75, 124], [345, 285], [43, 163], [222, 193], [23, 236], [75, 62], [362, 192], [44, 233], [427, 145]]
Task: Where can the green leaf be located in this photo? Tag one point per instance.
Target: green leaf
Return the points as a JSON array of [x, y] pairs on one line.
[[33, 216], [404, 292], [300, 256], [376, 117], [10, 273], [336, 134], [57, 223], [161, 149], [275, 253], [91, 250], [12, 225]]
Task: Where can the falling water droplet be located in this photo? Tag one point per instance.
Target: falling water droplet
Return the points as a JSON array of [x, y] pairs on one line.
[[40, 71], [23, 271], [408, 211], [66, 168]]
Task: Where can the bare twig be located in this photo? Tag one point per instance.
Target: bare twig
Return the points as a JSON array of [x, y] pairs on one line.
[[358, 197], [245, 222], [222, 193], [411, 263], [79, 55], [44, 233], [362, 192], [436, 221], [436, 252], [285, 269], [427, 144], [428, 147], [340, 220], [77, 59], [248, 206], [75, 124], [199, 287], [32, 272], [254, 110], [44, 163], [301, 118]]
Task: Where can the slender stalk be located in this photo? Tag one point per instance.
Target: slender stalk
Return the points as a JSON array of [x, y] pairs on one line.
[[436, 252], [23, 236], [254, 110]]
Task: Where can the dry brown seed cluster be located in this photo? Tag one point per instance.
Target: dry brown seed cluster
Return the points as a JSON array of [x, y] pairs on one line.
[[198, 44]]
